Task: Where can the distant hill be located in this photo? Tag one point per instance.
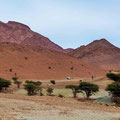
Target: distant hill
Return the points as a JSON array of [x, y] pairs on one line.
[[100, 53]]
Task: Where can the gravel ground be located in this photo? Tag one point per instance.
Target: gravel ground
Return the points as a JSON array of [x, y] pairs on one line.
[[26, 109]]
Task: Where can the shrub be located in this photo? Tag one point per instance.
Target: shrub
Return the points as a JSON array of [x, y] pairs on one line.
[[71, 68], [116, 100], [18, 83], [10, 69], [74, 88], [60, 95], [33, 87], [30, 88], [53, 82], [49, 91], [15, 79], [114, 89], [26, 58], [88, 88], [114, 76], [4, 84], [49, 67]]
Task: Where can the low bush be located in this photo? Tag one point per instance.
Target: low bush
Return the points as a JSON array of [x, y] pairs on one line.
[[49, 91], [74, 88], [60, 95], [116, 100], [4, 84]]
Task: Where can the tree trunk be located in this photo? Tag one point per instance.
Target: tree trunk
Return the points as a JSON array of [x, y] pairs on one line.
[[74, 94]]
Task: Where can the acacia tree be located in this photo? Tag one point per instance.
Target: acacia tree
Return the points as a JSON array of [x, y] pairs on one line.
[[74, 88], [4, 84], [88, 88], [114, 88], [15, 79], [113, 76], [49, 91], [33, 87]]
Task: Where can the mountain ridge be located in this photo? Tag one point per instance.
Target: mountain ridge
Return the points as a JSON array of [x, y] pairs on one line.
[[100, 53], [19, 33]]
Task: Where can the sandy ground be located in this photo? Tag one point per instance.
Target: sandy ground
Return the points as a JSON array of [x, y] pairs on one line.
[[21, 107]]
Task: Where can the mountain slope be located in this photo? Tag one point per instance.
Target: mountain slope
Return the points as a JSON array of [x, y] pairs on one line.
[[100, 53], [40, 63], [19, 33]]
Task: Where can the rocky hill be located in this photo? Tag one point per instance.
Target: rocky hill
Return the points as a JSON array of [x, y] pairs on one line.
[[101, 53], [19, 33]]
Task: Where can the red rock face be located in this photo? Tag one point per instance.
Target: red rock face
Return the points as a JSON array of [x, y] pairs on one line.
[[68, 50], [19, 33], [100, 53]]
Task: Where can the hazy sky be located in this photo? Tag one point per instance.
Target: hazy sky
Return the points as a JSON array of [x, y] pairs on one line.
[[69, 23]]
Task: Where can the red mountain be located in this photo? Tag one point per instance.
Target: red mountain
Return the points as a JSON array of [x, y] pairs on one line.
[[19, 33], [68, 50], [101, 53]]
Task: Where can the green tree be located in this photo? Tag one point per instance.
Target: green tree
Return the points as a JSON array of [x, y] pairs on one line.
[[30, 88], [39, 88], [33, 87], [18, 83], [88, 88], [4, 84], [114, 89], [74, 88], [49, 91], [113, 76], [15, 79]]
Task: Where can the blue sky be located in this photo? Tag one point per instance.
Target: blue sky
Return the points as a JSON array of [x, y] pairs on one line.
[[69, 23]]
